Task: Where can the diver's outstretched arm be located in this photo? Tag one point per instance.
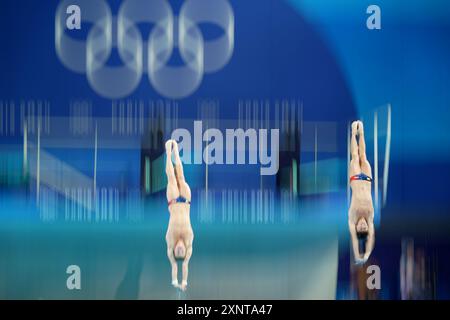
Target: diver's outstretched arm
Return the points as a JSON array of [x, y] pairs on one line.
[[355, 243], [370, 241], [186, 268], [173, 262]]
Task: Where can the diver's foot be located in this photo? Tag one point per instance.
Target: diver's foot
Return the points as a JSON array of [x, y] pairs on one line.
[[355, 127], [176, 152], [169, 145], [360, 128]]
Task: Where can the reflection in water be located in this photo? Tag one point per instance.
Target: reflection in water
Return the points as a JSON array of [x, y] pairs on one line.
[[358, 280], [130, 262], [417, 274], [129, 287], [126, 259]]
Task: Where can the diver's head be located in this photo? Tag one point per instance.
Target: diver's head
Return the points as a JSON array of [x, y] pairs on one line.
[[362, 228], [180, 250]]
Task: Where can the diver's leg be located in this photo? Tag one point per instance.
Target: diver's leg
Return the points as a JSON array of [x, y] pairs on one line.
[[172, 188], [355, 167], [185, 191], [364, 163]]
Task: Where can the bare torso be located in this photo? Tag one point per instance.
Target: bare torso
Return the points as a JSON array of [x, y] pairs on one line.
[[361, 205]]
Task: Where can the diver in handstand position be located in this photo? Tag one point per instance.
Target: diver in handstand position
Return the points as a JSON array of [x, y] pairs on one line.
[[179, 236], [361, 212]]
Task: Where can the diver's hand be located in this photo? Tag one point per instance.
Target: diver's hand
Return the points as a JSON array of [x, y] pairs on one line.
[[175, 283], [360, 261], [183, 286], [366, 257]]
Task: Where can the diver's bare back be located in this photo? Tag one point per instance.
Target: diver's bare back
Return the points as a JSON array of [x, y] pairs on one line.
[[179, 223]]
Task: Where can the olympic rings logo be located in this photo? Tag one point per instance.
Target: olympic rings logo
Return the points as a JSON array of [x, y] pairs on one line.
[[149, 56]]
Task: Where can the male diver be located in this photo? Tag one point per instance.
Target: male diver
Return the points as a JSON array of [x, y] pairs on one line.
[[361, 212], [179, 236]]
